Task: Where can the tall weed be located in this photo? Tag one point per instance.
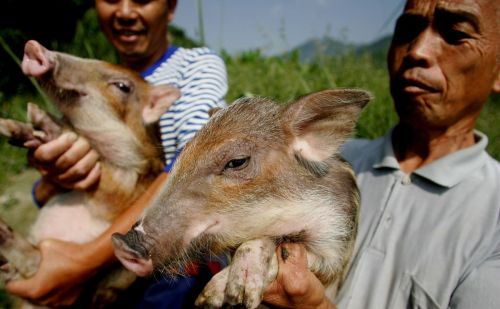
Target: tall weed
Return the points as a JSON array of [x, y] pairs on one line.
[[281, 78]]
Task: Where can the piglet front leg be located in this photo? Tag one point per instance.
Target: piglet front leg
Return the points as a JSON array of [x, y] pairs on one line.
[[42, 128], [243, 282]]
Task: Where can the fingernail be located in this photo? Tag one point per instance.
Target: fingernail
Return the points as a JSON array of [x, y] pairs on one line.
[[71, 136], [284, 253]]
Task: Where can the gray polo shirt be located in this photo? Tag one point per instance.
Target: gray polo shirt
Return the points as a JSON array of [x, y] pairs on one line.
[[430, 239]]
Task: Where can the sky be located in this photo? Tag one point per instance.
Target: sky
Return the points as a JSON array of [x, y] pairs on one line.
[[274, 26]]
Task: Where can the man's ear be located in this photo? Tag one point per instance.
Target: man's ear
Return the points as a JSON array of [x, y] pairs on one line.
[[161, 97], [320, 122], [496, 82], [172, 5]]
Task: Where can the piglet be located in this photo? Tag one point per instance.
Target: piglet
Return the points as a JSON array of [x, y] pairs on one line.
[[258, 174], [117, 112]]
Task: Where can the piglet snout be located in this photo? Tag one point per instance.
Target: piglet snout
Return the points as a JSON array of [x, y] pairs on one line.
[[132, 252], [37, 60]]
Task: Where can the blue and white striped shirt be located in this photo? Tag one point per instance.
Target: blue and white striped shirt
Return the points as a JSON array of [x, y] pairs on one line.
[[201, 77]]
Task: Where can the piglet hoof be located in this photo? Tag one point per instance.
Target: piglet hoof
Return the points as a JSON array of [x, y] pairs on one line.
[[7, 271], [44, 122], [212, 295], [243, 282], [248, 274]]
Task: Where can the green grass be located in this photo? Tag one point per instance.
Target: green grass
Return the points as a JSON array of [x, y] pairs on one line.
[[250, 74], [284, 79]]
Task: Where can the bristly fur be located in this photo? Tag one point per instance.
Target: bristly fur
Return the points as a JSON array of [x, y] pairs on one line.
[[262, 173], [318, 169]]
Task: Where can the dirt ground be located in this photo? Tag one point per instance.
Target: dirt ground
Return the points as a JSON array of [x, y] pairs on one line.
[[19, 211], [16, 205]]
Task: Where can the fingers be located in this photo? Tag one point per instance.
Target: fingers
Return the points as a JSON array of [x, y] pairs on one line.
[[33, 290], [78, 149], [292, 254], [51, 151], [91, 179], [50, 285], [295, 286], [80, 169], [68, 161]]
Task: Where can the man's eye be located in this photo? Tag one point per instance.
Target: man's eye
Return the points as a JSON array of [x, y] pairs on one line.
[[237, 163], [455, 36], [124, 87]]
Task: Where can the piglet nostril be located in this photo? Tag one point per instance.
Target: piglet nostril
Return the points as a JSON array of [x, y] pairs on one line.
[[133, 241], [36, 60], [132, 255]]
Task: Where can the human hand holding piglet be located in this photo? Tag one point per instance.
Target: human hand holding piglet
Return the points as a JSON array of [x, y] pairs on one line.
[[59, 280], [67, 162], [295, 285]]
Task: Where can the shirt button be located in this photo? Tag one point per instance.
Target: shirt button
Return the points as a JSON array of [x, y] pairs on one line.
[[388, 220], [406, 180]]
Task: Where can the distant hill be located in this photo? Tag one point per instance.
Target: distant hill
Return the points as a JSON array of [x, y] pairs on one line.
[[378, 48], [331, 47], [323, 46]]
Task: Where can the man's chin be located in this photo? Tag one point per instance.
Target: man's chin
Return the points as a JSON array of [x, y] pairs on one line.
[[131, 53], [129, 49]]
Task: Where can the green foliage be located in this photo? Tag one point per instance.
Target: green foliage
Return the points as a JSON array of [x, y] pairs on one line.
[[488, 124], [286, 78], [282, 78]]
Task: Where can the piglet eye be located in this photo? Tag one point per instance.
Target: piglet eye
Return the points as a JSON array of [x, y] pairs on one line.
[[237, 163], [124, 87]]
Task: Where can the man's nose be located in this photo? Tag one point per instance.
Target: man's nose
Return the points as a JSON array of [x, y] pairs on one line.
[[424, 48], [127, 10]]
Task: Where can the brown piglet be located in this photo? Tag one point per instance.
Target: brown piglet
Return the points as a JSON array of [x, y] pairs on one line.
[[117, 112], [258, 174]]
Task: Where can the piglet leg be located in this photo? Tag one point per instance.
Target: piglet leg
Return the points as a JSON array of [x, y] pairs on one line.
[[43, 128], [22, 257], [243, 282], [44, 122], [19, 133]]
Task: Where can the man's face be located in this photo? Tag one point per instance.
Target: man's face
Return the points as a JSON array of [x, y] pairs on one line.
[[444, 60], [137, 28]]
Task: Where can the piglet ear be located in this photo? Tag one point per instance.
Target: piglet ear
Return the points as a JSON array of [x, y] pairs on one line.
[[320, 122], [213, 110], [161, 97]]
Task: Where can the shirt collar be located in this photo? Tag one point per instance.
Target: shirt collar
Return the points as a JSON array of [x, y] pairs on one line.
[[170, 51], [446, 171]]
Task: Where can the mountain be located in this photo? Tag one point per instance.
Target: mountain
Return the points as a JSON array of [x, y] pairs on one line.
[[324, 46], [331, 47], [378, 48]]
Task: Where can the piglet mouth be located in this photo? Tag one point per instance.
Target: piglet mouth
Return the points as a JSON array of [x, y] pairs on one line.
[[59, 93], [132, 250], [200, 229], [64, 94]]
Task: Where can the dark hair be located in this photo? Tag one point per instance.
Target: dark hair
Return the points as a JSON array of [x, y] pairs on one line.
[[171, 3]]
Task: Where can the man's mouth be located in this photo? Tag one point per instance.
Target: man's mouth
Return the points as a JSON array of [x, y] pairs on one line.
[[415, 86], [128, 36]]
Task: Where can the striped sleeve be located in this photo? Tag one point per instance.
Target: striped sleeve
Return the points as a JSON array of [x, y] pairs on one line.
[[203, 84]]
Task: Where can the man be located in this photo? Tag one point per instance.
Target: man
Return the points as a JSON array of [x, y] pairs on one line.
[[429, 233], [138, 31]]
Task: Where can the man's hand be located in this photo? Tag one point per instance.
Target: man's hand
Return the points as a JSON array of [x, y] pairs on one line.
[[295, 285], [61, 276], [67, 162]]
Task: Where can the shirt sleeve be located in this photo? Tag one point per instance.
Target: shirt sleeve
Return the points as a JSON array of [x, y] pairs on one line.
[[203, 84], [206, 90], [481, 288]]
